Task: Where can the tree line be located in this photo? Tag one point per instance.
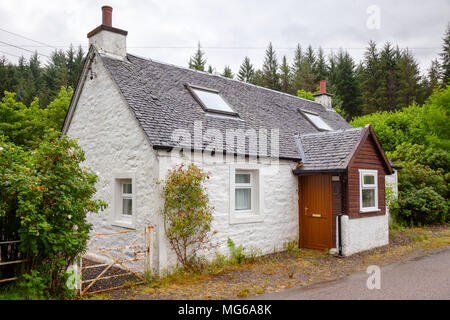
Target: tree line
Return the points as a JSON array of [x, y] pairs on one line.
[[30, 79], [387, 78]]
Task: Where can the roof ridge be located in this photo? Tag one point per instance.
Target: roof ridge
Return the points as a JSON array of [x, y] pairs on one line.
[[222, 77]]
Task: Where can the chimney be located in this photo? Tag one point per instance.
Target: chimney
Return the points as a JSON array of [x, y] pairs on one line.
[[107, 16], [323, 97], [107, 39]]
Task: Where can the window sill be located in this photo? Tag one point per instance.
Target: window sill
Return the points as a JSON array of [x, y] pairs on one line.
[[240, 218], [124, 224], [371, 210]]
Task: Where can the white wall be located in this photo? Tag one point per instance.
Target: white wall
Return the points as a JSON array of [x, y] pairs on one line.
[[279, 207], [364, 233], [114, 145]]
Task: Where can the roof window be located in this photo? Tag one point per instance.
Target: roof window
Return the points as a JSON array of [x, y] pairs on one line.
[[211, 100], [316, 120]]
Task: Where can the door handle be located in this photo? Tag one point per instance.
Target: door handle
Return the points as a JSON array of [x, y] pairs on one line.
[[306, 210]]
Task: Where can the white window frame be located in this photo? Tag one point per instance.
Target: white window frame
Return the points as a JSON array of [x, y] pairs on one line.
[[362, 186], [117, 217], [255, 214]]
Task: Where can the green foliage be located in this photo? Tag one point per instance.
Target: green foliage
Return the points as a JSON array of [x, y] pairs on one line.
[[417, 139], [49, 191], [33, 285], [420, 207], [187, 213], [227, 72], [427, 124], [291, 247], [270, 75], [305, 94], [26, 126], [30, 79], [198, 60], [237, 252], [246, 71]]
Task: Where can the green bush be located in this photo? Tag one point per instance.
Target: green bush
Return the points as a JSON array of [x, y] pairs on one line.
[[187, 213], [50, 193], [420, 207], [417, 138]]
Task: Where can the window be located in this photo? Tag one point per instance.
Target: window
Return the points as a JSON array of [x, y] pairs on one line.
[[316, 121], [211, 100], [368, 191], [124, 201], [243, 191], [127, 198], [245, 194]]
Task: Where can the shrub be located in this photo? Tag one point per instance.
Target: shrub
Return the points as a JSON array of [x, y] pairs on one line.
[[50, 193], [420, 207], [237, 253], [187, 213]]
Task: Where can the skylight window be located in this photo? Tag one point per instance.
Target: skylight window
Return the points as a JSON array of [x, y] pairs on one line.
[[211, 100], [317, 121]]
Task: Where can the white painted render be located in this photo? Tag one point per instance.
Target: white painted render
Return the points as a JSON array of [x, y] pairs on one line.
[[115, 147], [111, 43], [277, 221], [364, 233]]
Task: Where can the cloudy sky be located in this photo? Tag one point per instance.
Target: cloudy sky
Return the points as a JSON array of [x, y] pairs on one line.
[[228, 30]]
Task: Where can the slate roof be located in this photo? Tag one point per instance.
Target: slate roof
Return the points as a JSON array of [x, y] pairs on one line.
[[328, 150], [156, 93]]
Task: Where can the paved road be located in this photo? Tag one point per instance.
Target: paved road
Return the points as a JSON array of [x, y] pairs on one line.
[[427, 277]]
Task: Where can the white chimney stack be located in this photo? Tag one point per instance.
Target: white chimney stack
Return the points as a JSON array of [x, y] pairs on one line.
[[107, 39], [323, 97]]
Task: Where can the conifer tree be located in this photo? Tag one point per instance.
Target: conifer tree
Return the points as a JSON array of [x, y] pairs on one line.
[[285, 76], [246, 71], [371, 79], [434, 74], [344, 83], [389, 58], [227, 72], [408, 80], [271, 78], [297, 68], [445, 57], [320, 67], [198, 60]]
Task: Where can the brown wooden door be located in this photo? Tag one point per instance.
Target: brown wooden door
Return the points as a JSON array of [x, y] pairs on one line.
[[315, 212]]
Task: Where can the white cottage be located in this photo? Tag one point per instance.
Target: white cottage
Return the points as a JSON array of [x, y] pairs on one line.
[[282, 168]]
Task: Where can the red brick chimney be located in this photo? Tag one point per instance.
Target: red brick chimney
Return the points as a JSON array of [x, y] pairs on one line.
[[323, 86], [323, 97], [107, 16]]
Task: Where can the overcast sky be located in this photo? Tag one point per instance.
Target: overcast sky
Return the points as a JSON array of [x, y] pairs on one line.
[[169, 30]]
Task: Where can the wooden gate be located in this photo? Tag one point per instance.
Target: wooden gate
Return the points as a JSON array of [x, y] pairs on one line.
[[139, 248], [315, 212], [8, 249]]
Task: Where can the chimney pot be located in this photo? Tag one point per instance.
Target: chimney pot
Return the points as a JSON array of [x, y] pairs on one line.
[[323, 86], [107, 16]]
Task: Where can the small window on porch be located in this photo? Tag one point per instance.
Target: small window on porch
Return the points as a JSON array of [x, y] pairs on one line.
[[368, 191]]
